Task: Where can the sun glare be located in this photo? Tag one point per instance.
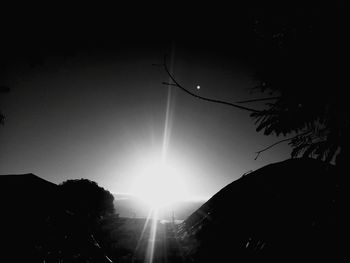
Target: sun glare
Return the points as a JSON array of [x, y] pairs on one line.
[[159, 185]]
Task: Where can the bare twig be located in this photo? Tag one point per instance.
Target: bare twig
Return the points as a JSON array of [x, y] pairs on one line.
[[278, 142], [176, 84], [270, 146], [255, 100]]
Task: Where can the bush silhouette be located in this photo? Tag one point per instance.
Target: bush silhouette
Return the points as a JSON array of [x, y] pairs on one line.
[[84, 198]]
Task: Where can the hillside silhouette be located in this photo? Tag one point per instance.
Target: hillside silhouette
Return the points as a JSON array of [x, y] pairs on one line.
[[293, 209]]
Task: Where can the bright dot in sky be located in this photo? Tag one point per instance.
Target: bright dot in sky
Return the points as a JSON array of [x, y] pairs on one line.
[[198, 87], [159, 185]]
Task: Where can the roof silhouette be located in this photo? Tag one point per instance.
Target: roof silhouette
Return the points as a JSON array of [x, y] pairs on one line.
[[292, 207]]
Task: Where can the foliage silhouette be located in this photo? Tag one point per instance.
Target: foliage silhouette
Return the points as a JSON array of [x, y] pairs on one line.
[[86, 199], [36, 222], [299, 59], [297, 54]]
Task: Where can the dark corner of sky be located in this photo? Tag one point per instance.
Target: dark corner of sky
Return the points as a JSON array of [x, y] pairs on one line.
[[102, 29]]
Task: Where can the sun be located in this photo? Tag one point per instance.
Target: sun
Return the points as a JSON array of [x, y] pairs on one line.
[[159, 185]]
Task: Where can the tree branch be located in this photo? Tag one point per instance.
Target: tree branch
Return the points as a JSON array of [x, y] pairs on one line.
[[176, 84], [255, 100], [278, 142]]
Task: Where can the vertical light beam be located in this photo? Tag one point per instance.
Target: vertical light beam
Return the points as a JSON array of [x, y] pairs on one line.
[[168, 112], [153, 235]]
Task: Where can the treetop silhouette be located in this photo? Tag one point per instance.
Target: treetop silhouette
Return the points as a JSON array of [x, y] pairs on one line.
[[297, 55]]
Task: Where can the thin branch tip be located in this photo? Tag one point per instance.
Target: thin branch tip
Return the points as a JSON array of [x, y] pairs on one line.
[[176, 84]]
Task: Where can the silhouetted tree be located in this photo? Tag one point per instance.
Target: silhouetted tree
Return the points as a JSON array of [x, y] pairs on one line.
[[299, 63], [86, 199], [298, 53]]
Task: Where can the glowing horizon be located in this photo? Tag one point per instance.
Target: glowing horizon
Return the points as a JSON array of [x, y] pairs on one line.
[[159, 183]]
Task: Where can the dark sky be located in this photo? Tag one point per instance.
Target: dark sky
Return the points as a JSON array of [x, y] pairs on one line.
[[86, 102]]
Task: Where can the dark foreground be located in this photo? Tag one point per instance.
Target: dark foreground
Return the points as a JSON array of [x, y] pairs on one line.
[[141, 240], [289, 211], [36, 226]]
